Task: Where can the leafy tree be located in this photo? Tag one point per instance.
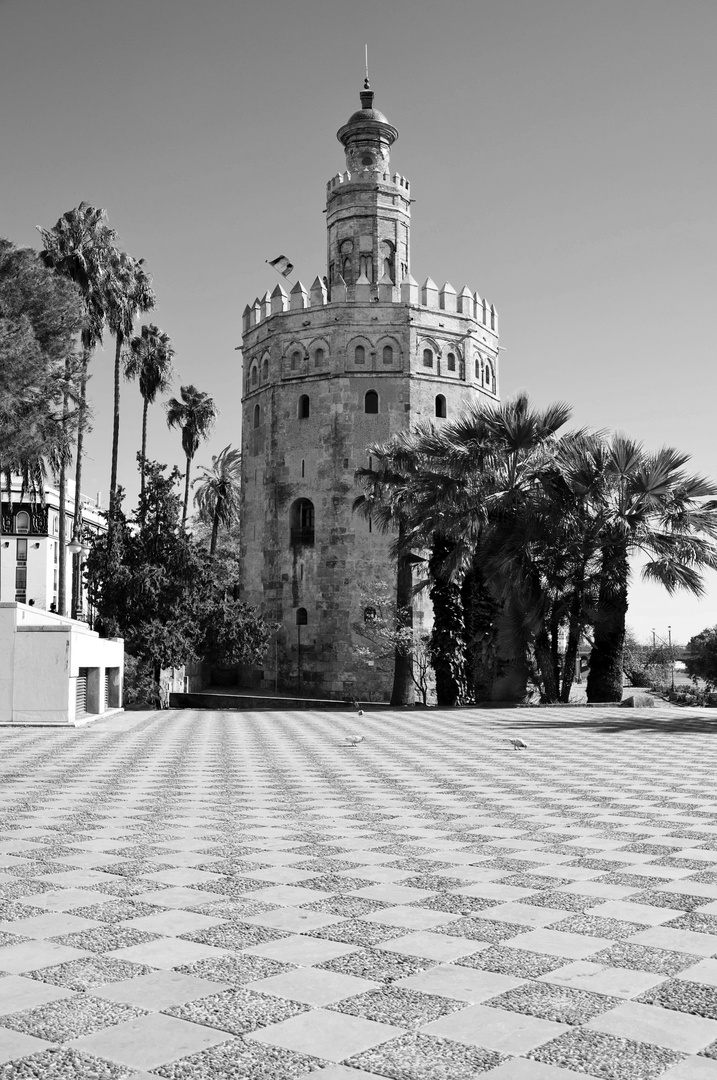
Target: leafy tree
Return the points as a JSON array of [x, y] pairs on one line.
[[154, 586], [40, 314], [150, 361], [387, 637], [194, 415], [218, 495], [128, 292], [701, 658]]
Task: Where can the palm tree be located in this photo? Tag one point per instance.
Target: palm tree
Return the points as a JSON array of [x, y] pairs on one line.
[[647, 504], [194, 415], [129, 292], [217, 497], [80, 246], [150, 361], [476, 487]]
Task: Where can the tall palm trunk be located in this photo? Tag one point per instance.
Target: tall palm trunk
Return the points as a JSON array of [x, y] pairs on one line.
[[448, 645], [402, 691], [546, 664], [605, 680], [186, 493], [143, 455], [115, 423], [215, 526], [81, 420]]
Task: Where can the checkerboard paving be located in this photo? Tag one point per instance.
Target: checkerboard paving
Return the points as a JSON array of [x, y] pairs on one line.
[[212, 895]]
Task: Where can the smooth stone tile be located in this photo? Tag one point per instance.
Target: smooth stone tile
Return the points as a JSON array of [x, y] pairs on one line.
[[313, 987], [393, 894], [662, 1027], [159, 990], [496, 1029], [29, 955], [559, 943], [413, 918], [600, 979], [182, 876], [631, 912], [286, 895], [167, 953], [178, 897], [18, 993], [150, 1041], [66, 899], [50, 924], [526, 914], [494, 890], [704, 972], [460, 983], [692, 1068], [301, 950], [669, 937], [434, 946], [329, 1035], [336, 1072], [172, 922], [294, 919]]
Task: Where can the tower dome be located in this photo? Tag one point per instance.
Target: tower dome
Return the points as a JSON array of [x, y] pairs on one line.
[[367, 137]]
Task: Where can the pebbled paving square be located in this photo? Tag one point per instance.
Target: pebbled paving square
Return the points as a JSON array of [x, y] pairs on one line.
[[204, 894]]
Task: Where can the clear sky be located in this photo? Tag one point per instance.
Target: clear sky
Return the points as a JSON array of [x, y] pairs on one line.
[[562, 155]]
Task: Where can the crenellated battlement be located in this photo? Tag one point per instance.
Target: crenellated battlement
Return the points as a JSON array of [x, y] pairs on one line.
[[366, 176], [409, 293]]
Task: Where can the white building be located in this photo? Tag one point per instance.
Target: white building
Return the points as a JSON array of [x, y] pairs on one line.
[[30, 547]]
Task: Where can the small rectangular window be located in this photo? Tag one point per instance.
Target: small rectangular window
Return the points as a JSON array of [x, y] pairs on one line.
[[22, 551], [20, 583]]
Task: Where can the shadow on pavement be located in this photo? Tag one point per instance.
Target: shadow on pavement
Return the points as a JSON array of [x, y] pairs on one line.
[[705, 725]]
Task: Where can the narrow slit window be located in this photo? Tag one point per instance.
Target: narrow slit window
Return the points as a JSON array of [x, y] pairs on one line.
[[440, 406], [304, 407]]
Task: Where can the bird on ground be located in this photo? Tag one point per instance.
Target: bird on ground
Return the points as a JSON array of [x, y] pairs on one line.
[[518, 744], [360, 712], [354, 740]]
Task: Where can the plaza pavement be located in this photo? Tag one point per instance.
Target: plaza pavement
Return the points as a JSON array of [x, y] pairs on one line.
[[211, 895]]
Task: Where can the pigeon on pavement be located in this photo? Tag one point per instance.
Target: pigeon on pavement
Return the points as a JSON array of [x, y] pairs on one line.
[[354, 740], [518, 744]]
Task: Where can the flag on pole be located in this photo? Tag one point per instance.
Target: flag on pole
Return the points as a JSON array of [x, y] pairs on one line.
[[281, 265]]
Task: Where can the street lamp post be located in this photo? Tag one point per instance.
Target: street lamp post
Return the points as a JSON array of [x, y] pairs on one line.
[[672, 657]]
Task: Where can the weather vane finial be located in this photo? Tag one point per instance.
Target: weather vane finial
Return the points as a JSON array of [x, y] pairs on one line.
[[367, 84]]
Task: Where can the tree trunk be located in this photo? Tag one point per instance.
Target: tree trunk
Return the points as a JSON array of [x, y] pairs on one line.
[[115, 423], [480, 611], [546, 665], [186, 493], [81, 416], [510, 682], [143, 455], [402, 692], [447, 643], [215, 528], [605, 680]]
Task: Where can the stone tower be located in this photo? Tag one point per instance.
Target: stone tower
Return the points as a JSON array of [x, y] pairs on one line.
[[364, 353]]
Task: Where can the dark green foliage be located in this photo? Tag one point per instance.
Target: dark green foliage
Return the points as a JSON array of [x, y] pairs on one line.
[[702, 660], [448, 638], [39, 315], [153, 585]]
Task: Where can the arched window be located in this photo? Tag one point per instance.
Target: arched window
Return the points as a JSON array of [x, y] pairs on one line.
[[304, 407], [370, 402], [318, 357], [301, 523], [440, 406], [477, 369], [254, 374], [302, 616], [359, 355], [488, 376], [257, 415], [22, 522], [265, 369], [451, 361], [369, 614], [428, 357], [295, 360], [387, 354]]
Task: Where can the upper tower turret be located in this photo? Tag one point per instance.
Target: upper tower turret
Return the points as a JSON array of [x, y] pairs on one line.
[[368, 211]]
